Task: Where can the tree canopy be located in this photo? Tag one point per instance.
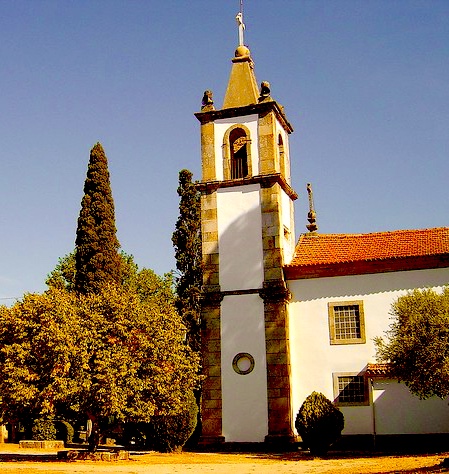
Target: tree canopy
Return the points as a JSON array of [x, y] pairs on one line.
[[105, 339], [417, 343], [103, 354], [148, 285], [96, 257], [38, 345], [187, 243]]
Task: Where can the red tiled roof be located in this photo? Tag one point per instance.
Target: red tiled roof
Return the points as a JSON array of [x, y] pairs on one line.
[[329, 250], [378, 370]]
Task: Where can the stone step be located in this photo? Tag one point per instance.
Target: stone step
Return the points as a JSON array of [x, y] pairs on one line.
[[32, 444]]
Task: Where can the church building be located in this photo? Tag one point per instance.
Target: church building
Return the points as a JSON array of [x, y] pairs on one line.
[[281, 318]]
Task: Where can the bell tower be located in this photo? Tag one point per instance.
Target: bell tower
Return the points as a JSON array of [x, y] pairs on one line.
[[248, 236]]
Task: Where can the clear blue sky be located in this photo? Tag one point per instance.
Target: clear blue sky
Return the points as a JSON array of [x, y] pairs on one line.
[[365, 84]]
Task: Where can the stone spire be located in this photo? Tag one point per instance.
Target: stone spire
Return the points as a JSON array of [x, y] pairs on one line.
[[242, 86], [312, 227]]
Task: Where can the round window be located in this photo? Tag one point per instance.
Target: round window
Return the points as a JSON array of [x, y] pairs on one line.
[[243, 363]]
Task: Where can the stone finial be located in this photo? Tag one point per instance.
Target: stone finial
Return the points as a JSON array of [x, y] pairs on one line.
[[265, 90], [207, 101], [312, 227]]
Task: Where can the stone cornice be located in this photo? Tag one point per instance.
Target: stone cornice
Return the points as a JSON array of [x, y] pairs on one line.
[[216, 296], [260, 109], [265, 181], [275, 292], [211, 296]]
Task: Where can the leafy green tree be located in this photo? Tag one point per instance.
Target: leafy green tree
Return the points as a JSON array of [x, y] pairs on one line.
[[97, 260], [63, 275], [102, 354], [417, 344], [39, 339], [187, 243], [44, 429], [144, 281], [105, 340], [136, 363]]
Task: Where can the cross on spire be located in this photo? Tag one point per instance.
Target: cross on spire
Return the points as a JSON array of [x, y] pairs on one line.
[[241, 25]]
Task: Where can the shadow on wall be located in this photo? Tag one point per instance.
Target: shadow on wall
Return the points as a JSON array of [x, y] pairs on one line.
[[411, 415], [354, 285], [242, 314], [241, 252]]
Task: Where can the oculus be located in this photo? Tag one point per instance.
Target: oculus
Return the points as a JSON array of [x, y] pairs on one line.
[[243, 363]]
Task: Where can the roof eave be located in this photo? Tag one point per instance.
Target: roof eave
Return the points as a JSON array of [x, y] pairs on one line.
[[363, 267], [260, 109]]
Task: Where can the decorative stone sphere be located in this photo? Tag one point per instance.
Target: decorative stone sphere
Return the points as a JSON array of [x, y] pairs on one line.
[[242, 51]]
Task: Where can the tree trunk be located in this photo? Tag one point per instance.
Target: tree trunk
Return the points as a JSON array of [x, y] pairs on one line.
[[14, 432], [94, 438]]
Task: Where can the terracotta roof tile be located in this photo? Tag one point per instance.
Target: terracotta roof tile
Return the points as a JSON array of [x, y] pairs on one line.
[[378, 370], [319, 249]]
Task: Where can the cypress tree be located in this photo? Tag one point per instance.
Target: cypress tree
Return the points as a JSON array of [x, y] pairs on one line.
[[97, 260], [187, 243]]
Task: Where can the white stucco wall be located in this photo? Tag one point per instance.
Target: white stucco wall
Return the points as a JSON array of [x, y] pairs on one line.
[[289, 226], [411, 415], [220, 127], [245, 406], [240, 237], [314, 360]]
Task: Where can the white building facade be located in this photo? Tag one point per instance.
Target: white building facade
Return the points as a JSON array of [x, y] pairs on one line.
[[333, 323], [280, 321]]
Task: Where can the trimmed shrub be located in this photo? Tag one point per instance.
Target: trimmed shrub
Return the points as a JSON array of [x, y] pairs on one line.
[[319, 423], [64, 431], [170, 433], [43, 430]]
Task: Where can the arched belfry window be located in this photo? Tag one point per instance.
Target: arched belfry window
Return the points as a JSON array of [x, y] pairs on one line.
[[237, 154]]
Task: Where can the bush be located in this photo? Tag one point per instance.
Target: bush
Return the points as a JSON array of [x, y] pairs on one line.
[[319, 423], [170, 433], [64, 431], [43, 430]]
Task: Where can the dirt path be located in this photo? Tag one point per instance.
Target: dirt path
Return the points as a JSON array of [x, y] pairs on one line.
[[216, 463]]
